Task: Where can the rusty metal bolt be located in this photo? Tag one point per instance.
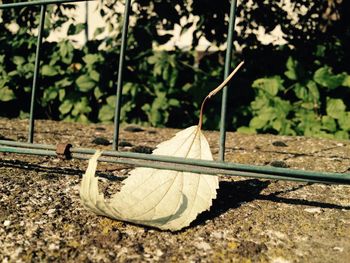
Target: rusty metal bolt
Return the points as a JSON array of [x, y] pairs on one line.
[[63, 151]]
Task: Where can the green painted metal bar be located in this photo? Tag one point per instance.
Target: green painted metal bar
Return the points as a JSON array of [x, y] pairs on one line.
[[120, 75], [34, 3], [86, 21], [163, 166], [192, 165], [36, 73], [226, 73]]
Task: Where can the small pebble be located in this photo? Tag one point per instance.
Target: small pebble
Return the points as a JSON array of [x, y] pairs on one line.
[[313, 210], [53, 247], [7, 222], [340, 249], [21, 138], [159, 253], [51, 211], [133, 128], [279, 144], [142, 149], [280, 164], [124, 143], [203, 246], [217, 235], [101, 141]]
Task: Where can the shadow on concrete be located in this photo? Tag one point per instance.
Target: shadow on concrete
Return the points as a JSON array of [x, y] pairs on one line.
[[59, 171], [232, 195]]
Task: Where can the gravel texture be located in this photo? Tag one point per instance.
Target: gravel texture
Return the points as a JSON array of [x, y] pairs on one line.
[[42, 219]]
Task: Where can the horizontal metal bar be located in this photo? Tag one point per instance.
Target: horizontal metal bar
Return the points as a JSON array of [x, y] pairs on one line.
[[40, 2], [196, 165], [170, 166]]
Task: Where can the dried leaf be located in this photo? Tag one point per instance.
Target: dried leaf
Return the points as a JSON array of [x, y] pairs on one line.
[[160, 198]]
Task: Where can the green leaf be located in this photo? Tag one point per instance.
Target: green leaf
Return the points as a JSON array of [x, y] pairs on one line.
[[106, 113], [329, 124], [63, 83], [327, 79], [50, 94], [307, 105], [335, 108], [277, 125], [3, 82], [320, 51], [174, 103], [300, 91], [341, 135], [153, 59], [75, 29], [98, 31], [344, 121], [313, 90], [271, 85], [283, 107], [157, 70], [48, 70], [166, 72], [61, 94], [258, 122], [82, 118], [130, 88], [85, 83], [260, 102], [94, 75], [6, 94], [291, 72], [346, 82], [98, 93], [187, 87], [90, 59], [66, 106], [66, 52], [18, 60], [173, 77], [111, 100], [81, 107]]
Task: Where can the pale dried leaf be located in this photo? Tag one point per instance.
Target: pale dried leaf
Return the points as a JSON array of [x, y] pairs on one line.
[[165, 199]]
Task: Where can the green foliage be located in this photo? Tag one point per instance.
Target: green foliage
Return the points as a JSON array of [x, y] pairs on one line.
[[301, 95], [304, 102]]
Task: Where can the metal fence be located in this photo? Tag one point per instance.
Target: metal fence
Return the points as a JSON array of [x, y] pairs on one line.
[[154, 161]]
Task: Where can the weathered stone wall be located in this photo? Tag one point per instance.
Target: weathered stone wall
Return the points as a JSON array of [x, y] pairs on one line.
[[41, 217]]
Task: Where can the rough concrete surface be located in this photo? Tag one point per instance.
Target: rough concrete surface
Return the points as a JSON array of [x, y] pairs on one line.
[[42, 219]]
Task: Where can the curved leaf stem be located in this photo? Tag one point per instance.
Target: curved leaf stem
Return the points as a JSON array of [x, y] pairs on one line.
[[216, 90]]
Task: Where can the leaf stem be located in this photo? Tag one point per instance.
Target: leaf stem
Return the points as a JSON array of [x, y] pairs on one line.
[[216, 90]]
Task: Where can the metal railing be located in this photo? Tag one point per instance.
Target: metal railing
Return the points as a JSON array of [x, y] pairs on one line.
[[155, 161]]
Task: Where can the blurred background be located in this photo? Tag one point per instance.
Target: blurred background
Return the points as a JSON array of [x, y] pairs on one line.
[[295, 80]]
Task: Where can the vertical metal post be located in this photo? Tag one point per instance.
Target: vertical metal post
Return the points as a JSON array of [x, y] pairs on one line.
[[120, 75], [226, 73], [86, 21], [36, 72]]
